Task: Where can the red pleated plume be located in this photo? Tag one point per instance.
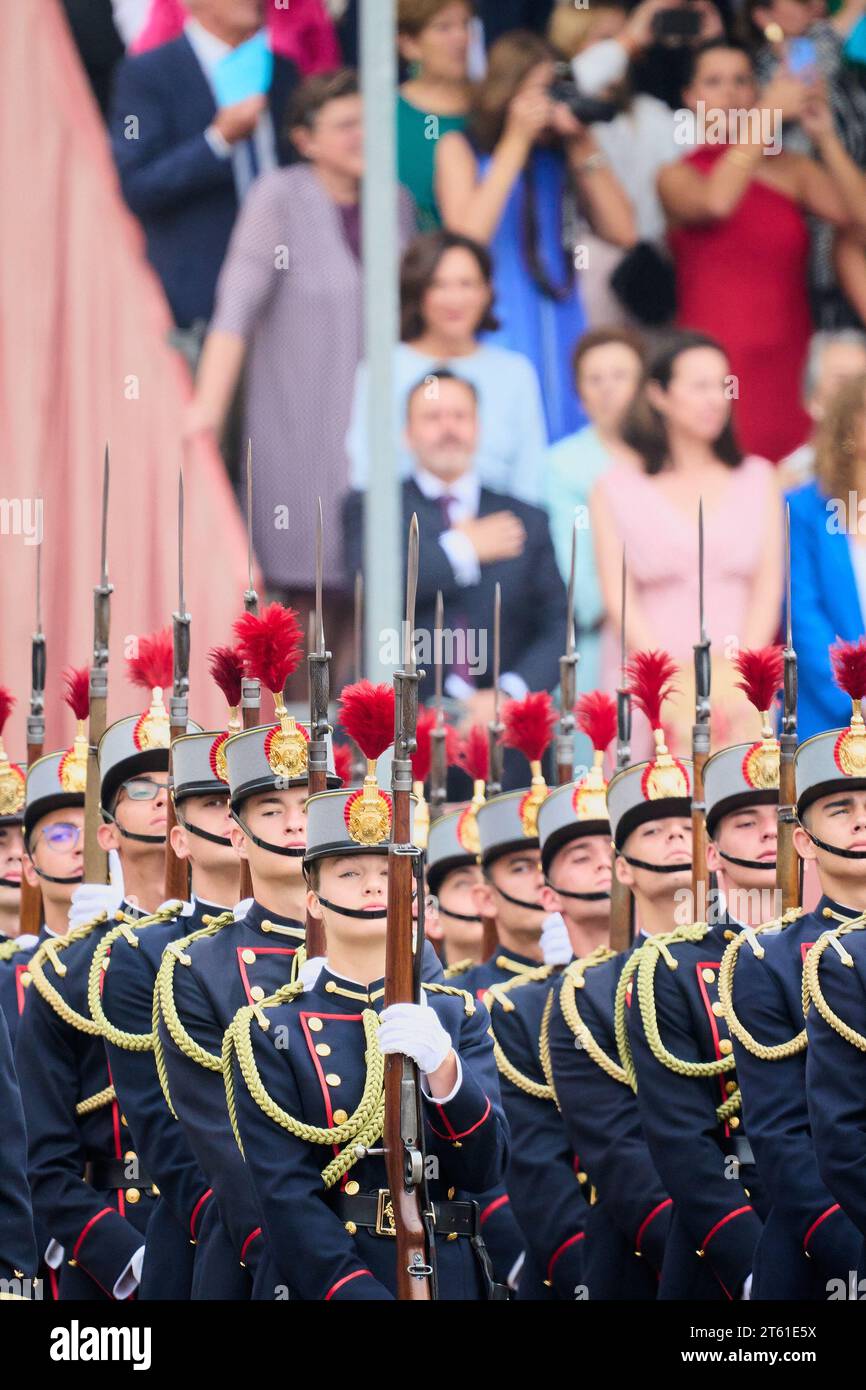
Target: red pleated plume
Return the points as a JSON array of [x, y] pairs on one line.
[[77, 692], [343, 763], [270, 644], [849, 667], [367, 715], [422, 758], [596, 717], [763, 671], [529, 725], [226, 665], [7, 704], [650, 678], [154, 664], [474, 753]]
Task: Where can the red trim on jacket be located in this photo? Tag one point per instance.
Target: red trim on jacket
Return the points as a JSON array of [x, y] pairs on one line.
[[92, 1222], [196, 1209], [248, 1242], [492, 1207], [356, 1274], [452, 1133], [260, 951], [581, 1235], [320, 1072], [724, 1221], [668, 1201], [815, 1224]]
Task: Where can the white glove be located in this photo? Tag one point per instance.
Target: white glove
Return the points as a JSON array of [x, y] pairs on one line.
[[746, 1295], [414, 1030], [310, 971], [89, 899], [556, 948]]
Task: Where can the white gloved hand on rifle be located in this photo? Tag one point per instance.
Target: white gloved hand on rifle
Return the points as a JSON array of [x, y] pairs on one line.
[[556, 948], [89, 899]]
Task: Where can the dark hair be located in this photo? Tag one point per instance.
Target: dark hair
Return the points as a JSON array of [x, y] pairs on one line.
[[644, 429], [417, 269], [413, 16], [439, 374], [709, 46], [601, 337], [315, 93]]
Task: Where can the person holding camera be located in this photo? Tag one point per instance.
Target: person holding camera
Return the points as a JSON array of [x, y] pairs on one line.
[[510, 181]]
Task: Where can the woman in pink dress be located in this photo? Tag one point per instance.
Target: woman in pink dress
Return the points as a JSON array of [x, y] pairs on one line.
[[684, 452]]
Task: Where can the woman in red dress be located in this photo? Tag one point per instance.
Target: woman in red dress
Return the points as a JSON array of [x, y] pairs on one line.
[[736, 207]]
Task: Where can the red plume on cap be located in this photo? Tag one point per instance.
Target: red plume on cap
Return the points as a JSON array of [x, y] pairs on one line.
[[153, 666], [270, 644], [849, 667], [422, 758], [650, 681], [343, 763], [596, 717], [367, 715], [529, 725], [474, 753], [763, 671], [77, 692], [226, 665], [7, 704]]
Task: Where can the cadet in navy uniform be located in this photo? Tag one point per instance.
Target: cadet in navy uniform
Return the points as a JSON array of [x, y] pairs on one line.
[[178, 1263], [318, 1046], [451, 871], [76, 1129], [687, 1094], [627, 1224], [18, 1259], [11, 849]]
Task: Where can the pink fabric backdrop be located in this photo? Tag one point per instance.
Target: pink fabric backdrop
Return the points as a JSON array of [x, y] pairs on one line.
[[83, 326]]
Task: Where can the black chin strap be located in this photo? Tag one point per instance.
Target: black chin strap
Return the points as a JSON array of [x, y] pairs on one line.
[[203, 834], [287, 851], [52, 878], [130, 834], [768, 864], [515, 902], [11, 882], [372, 915], [456, 916], [581, 897], [835, 849], [657, 868]]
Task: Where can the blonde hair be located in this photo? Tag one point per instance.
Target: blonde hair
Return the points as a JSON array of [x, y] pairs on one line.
[[413, 16], [570, 29], [837, 446]]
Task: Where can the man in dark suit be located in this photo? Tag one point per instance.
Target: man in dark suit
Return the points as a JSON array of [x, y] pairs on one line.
[[185, 163], [472, 538]]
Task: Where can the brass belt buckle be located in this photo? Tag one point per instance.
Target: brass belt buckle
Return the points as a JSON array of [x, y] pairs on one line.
[[385, 1224]]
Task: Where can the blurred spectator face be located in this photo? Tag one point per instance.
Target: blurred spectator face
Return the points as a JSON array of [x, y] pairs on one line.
[[723, 80], [458, 296], [441, 48], [607, 381], [233, 19], [336, 139], [442, 428], [695, 403], [793, 17], [839, 362]]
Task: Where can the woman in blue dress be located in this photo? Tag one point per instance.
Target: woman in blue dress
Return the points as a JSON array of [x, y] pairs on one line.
[[514, 181]]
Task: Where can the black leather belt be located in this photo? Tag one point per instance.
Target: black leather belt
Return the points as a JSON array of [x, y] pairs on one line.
[[373, 1211], [109, 1175], [738, 1147]]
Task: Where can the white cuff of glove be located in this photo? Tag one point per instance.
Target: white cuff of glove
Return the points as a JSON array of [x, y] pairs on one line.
[[462, 557], [555, 943], [414, 1030], [131, 1276], [54, 1255]]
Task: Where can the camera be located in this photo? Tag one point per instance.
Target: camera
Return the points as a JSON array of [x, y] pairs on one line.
[[584, 109]]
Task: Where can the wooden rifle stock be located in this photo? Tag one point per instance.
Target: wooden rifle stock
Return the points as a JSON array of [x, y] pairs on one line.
[[621, 912], [788, 863], [490, 938], [251, 716], [317, 768]]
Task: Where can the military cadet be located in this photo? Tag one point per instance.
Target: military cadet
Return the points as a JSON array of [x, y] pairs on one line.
[[574, 836], [18, 1259], [808, 1242], [452, 871], [12, 777], [316, 1050], [683, 1061], [85, 1193], [177, 1264]]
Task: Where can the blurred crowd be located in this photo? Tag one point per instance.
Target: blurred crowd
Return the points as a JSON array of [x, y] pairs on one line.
[[633, 278]]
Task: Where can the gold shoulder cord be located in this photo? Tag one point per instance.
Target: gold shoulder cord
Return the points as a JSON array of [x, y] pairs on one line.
[[459, 968], [132, 1042], [812, 991], [359, 1132], [498, 994], [163, 1003], [51, 950], [620, 1027], [776, 1052], [572, 981], [8, 949], [503, 988], [544, 1046]]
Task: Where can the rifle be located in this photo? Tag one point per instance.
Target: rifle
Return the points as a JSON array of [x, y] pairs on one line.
[[404, 1157], [700, 743], [31, 898], [788, 865], [95, 858], [438, 755], [251, 690], [568, 681], [359, 762], [317, 749], [621, 901], [490, 939], [177, 870]]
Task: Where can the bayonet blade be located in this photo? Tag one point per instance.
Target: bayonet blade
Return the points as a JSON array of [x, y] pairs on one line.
[[358, 633], [320, 549], [181, 597], [703, 630], [250, 514], [438, 622], [106, 475], [411, 593], [39, 591], [622, 622], [569, 631], [789, 639], [497, 616]]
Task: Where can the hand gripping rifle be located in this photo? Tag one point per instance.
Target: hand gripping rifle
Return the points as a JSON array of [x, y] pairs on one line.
[[177, 870], [31, 898], [438, 751], [621, 901], [404, 1154], [251, 688], [788, 865], [568, 681], [495, 730], [700, 745], [317, 749], [95, 859]]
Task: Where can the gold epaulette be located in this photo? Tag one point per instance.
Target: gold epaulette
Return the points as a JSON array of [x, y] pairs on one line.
[[812, 991], [9, 949], [750, 936], [51, 950], [469, 1005], [356, 1134], [499, 994], [572, 981], [132, 1042], [175, 954], [459, 968], [500, 991]]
